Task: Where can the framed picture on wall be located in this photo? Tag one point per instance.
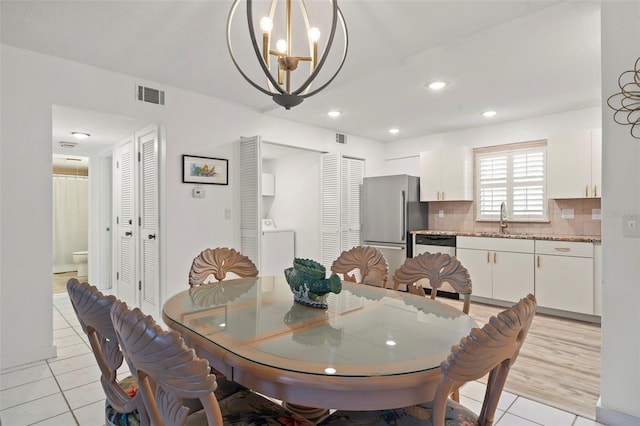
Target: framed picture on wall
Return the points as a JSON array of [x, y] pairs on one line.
[[203, 170]]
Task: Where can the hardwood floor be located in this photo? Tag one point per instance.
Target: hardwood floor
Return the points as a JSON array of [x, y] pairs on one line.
[[559, 363], [60, 281]]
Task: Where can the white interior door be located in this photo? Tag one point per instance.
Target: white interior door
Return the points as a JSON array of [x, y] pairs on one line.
[[149, 288], [250, 197], [125, 214], [352, 175], [330, 182]]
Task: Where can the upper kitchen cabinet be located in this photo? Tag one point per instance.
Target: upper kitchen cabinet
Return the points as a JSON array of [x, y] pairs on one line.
[[574, 163], [447, 174], [268, 185]]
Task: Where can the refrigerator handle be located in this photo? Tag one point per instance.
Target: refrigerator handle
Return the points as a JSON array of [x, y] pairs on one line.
[[404, 216]]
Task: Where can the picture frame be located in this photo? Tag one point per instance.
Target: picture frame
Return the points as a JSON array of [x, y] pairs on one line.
[[205, 170]]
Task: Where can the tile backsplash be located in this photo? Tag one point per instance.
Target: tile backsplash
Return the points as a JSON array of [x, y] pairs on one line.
[[566, 217]]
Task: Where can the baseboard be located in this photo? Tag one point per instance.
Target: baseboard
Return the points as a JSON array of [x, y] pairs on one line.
[[60, 269], [28, 356], [607, 416]]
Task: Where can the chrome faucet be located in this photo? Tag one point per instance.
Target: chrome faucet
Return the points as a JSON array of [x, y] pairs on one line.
[[503, 218]]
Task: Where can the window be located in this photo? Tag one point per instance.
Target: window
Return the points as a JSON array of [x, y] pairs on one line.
[[516, 175]]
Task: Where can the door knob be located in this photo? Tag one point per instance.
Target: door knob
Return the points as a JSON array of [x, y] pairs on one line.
[[152, 236], [128, 233]]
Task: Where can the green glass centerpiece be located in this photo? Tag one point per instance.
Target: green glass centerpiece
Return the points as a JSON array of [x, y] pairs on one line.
[[308, 283]]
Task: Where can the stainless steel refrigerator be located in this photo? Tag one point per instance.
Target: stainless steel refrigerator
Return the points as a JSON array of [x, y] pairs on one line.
[[391, 209]]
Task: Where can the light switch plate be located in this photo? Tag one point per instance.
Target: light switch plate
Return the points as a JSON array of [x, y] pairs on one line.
[[567, 213], [198, 192], [631, 226]]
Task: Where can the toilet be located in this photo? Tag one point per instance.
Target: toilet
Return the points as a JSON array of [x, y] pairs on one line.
[[81, 258]]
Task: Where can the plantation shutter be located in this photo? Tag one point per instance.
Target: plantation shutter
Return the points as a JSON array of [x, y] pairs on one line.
[[515, 176]]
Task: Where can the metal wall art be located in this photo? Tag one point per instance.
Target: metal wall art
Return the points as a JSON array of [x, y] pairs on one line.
[[626, 103]]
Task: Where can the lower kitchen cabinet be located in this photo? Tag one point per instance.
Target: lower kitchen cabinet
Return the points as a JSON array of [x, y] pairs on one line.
[[564, 276], [500, 268]]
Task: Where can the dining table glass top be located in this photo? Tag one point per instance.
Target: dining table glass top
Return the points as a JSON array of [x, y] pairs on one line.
[[366, 331]]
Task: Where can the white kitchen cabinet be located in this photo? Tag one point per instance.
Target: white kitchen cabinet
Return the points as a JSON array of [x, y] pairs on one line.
[[446, 174], [564, 276], [574, 162], [500, 268]]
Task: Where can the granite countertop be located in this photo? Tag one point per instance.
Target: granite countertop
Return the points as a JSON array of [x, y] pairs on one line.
[[574, 238]]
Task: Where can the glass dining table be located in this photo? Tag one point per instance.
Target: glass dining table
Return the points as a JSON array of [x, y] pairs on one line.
[[372, 348]]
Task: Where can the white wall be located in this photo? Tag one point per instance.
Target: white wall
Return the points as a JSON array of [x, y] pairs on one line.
[[620, 386], [404, 154], [296, 204], [193, 124]]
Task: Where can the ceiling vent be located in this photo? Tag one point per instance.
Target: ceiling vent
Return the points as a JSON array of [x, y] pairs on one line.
[[341, 138], [151, 95], [67, 145]]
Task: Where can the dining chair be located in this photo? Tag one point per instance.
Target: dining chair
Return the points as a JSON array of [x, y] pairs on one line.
[[434, 269], [364, 259], [124, 405], [491, 350], [168, 371], [218, 262]]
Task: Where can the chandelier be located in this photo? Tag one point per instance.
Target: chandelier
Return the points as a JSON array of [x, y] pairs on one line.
[[292, 68]]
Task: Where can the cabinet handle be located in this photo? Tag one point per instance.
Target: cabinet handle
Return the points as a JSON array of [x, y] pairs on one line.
[[595, 190], [494, 257], [538, 261], [565, 249], [438, 195], [443, 195], [488, 260]]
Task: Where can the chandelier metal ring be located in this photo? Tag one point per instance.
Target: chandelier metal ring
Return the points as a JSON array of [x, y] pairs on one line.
[[280, 91]]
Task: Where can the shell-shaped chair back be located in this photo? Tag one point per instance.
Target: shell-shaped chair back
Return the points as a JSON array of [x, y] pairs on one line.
[[492, 349], [93, 311], [437, 268], [366, 259], [218, 262], [166, 369]]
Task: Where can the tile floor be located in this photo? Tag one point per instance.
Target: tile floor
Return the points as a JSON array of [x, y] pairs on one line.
[[66, 390]]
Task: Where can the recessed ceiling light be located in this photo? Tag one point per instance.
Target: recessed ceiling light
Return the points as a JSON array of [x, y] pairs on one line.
[[437, 85], [80, 135], [489, 114], [394, 131], [334, 114]]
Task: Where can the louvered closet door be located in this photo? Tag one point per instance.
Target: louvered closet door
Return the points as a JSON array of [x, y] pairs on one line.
[[351, 220], [125, 217], [250, 197], [330, 242], [147, 141]]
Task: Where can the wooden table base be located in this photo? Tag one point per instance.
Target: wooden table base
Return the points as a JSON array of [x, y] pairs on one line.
[[309, 413]]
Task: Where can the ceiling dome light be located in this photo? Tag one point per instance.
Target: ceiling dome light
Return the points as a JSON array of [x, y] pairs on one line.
[[334, 114], [80, 135], [437, 85], [489, 114], [394, 131]]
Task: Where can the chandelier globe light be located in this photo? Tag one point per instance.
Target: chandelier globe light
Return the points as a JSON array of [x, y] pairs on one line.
[[299, 63]]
